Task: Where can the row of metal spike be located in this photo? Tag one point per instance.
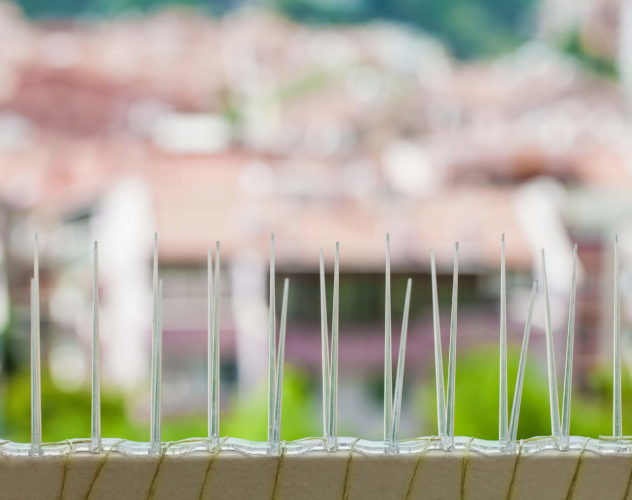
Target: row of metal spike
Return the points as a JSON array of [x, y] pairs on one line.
[[560, 429]]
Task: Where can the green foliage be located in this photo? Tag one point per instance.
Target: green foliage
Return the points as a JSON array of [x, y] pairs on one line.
[[301, 417], [249, 419], [574, 46], [65, 414], [476, 399]]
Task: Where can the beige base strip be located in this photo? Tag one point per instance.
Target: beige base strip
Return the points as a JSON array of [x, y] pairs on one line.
[[318, 475]]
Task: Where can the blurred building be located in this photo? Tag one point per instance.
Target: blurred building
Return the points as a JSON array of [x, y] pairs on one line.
[[231, 129]]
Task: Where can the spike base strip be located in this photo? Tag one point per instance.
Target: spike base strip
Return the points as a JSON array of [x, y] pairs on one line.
[[602, 446], [243, 469]]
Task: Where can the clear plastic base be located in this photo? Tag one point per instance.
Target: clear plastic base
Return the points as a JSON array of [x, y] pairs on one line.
[[603, 445]]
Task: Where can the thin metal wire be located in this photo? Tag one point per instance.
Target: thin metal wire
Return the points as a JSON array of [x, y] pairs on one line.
[[36, 397], [388, 363], [213, 360], [515, 408], [215, 386], [568, 367], [333, 365], [96, 385], [438, 357], [452, 355], [278, 396], [324, 343], [502, 399], [399, 379], [617, 425], [550, 357], [210, 369], [156, 358], [271, 346], [36, 379]]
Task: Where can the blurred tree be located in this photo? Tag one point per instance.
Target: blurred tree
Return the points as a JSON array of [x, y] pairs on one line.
[[74, 8], [469, 28]]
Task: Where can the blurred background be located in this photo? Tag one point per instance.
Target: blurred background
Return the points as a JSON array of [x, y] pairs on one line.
[[320, 121]]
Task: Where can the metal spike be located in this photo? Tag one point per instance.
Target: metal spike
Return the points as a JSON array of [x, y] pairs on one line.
[[388, 363], [452, 354], [156, 358], [216, 333], [568, 368], [515, 409], [271, 346], [399, 379], [617, 425], [550, 358], [324, 342], [333, 365], [438, 357], [96, 385], [210, 368], [213, 345], [36, 381], [502, 403], [278, 396]]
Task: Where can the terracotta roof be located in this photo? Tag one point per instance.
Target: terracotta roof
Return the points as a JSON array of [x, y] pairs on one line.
[[485, 127]]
